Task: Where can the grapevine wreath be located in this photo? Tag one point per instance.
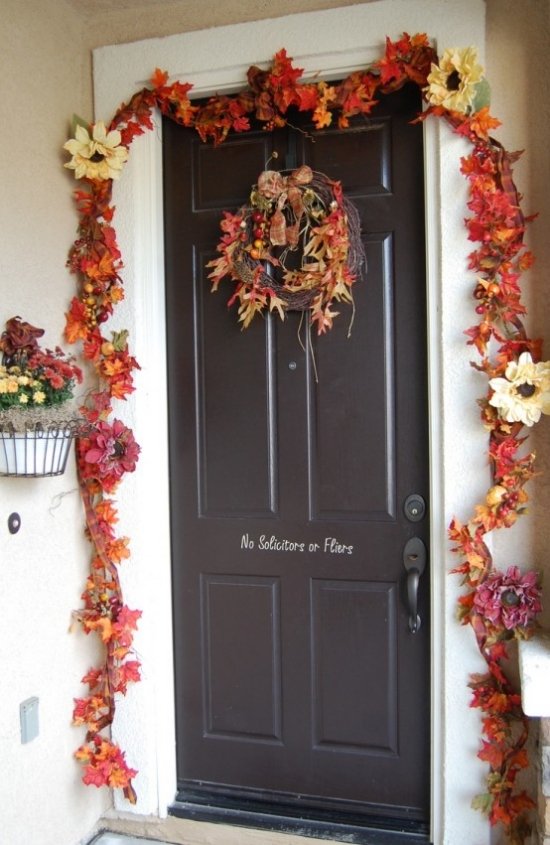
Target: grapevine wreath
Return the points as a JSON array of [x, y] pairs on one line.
[[291, 214]]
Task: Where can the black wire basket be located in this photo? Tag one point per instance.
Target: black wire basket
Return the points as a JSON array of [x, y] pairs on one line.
[[39, 451]]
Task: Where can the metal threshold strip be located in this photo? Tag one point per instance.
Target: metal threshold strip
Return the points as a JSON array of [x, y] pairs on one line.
[[298, 825], [108, 838]]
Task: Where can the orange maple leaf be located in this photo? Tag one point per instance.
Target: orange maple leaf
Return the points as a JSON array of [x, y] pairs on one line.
[[120, 778], [159, 78], [322, 117], [120, 388], [113, 367], [75, 327], [118, 549], [526, 261], [103, 623], [116, 294], [102, 270], [482, 122], [106, 511]]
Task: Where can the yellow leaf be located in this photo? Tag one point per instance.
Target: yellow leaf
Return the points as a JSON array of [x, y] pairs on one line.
[[276, 303]]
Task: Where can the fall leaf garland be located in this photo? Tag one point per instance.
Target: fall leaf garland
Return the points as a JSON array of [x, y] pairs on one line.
[[499, 606]]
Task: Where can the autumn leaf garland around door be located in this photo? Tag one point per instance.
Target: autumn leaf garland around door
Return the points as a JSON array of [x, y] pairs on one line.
[[500, 605]]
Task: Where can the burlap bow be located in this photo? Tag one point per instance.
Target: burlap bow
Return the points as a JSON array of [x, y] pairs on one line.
[[274, 186]]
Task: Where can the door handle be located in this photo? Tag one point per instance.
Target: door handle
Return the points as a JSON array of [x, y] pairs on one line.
[[414, 561]]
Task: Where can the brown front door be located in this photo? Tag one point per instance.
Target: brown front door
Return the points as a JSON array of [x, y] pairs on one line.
[[298, 679]]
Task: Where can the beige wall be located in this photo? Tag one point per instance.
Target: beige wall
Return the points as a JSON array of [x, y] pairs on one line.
[[45, 68], [127, 22], [518, 40]]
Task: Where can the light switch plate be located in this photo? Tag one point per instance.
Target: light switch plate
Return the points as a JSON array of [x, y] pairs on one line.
[[28, 713]]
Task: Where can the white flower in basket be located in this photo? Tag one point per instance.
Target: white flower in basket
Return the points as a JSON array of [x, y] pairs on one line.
[[37, 420]]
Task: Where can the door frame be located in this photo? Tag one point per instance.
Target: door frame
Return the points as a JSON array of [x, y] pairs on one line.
[[145, 718]]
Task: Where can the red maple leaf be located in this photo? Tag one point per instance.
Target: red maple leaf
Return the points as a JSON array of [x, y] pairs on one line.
[[96, 774], [308, 97], [492, 753], [159, 78], [93, 677], [283, 74]]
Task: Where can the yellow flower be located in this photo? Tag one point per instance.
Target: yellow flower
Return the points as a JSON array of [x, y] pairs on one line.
[[12, 386], [38, 397], [3, 385], [23, 399], [454, 82], [100, 156], [23, 380], [524, 394]]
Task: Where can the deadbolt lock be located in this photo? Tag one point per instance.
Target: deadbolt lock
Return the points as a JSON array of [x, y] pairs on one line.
[[414, 507]]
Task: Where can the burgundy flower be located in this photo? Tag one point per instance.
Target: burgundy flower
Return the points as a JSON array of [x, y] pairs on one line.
[[108, 453], [19, 338], [509, 599]]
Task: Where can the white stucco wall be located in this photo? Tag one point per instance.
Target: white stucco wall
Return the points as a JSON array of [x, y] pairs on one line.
[[45, 77]]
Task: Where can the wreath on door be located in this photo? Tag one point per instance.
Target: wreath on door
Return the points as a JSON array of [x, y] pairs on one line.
[[301, 218]]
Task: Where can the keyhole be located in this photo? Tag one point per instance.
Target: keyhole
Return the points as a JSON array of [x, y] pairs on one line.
[[14, 523]]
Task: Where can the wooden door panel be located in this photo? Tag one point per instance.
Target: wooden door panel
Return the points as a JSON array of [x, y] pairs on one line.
[[235, 415], [246, 154], [297, 677], [242, 683], [359, 157], [353, 403], [353, 642]]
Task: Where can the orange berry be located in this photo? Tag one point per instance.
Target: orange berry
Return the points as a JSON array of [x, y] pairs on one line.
[[495, 495]]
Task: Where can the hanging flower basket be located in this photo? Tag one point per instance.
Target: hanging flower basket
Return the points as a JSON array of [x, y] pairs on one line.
[[38, 451], [37, 422]]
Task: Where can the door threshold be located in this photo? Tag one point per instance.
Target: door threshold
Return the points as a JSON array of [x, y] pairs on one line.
[[336, 831], [107, 837]]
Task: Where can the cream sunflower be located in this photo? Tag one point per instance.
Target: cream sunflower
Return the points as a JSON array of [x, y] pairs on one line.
[[100, 156], [524, 393], [454, 82]]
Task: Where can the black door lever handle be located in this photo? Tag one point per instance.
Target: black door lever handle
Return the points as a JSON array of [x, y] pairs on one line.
[[414, 561]]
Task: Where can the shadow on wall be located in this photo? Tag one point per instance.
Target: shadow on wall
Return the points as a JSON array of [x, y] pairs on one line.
[[518, 35]]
